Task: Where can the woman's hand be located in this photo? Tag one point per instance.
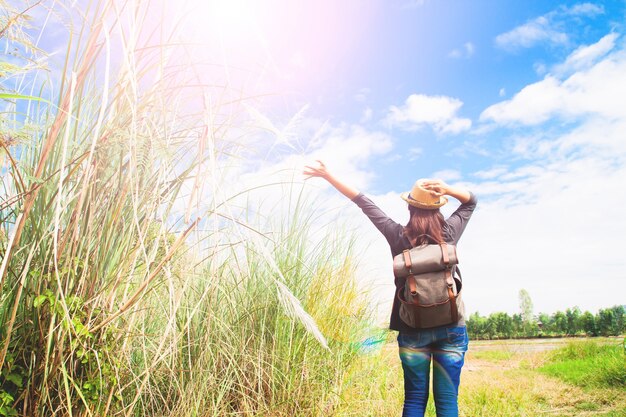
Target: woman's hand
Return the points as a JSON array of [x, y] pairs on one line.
[[319, 171], [322, 172], [436, 187], [439, 188]]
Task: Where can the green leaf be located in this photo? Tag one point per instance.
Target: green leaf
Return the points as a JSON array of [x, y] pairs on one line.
[[8, 411], [16, 379], [39, 300], [9, 96], [6, 398]]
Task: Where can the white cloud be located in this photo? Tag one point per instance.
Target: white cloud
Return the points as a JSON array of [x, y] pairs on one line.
[[456, 125], [447, 175], [346, 150], [491, 173], [350, 147], [549, 29], [439, 112], [502, 92], [554, 215], [534, 104], [362, 94], [586, 55], [466, 52], [367, 115], [540, 68], [536, 31], [595, 91], [584, 9], [547, 231], [415, 153]]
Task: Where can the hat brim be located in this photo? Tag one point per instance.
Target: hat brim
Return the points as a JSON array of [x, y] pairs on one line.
[[433, 206]]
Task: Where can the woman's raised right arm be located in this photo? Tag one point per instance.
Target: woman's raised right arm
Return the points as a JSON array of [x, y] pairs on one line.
[[439, 188], [457, 220]]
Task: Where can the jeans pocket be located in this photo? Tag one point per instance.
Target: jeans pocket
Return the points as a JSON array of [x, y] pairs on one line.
[[457, 336], [408, 340]]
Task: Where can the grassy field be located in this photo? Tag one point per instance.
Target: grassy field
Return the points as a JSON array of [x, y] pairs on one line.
[[524, 378]]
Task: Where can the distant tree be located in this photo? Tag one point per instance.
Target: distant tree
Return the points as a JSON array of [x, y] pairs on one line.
[[560, 323], [518, 326], [525, 306], [572, 315], [477, 326], [610, 321], [490, 328], [588, 324], [546, 325], [620, 318], [501, 323], [607, 322]]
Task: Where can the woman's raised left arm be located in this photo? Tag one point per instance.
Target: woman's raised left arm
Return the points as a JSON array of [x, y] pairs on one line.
[[322, 172]]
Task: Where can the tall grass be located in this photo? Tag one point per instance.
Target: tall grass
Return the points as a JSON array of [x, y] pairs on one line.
[[124, 294]]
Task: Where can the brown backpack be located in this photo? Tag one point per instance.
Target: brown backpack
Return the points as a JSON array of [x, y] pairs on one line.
[[429, 295]]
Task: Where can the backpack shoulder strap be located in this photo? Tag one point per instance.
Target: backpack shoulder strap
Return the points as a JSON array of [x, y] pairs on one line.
[[457, 272], [411, 278]]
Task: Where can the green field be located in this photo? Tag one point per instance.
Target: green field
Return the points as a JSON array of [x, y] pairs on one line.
[[521, 378]]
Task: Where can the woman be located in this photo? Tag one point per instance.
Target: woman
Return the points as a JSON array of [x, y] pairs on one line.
[[446, 345]]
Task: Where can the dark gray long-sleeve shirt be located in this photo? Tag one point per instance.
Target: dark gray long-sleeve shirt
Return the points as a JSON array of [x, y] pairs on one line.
[[393, 232]]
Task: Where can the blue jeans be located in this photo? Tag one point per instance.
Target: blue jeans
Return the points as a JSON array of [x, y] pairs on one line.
[[447, 346]]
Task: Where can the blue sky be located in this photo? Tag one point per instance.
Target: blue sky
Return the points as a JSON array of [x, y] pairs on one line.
[[449, 49], [519, 101], [523, 102]]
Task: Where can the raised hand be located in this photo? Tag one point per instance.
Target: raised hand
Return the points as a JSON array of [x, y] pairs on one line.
[[319, 171], [436, 187]]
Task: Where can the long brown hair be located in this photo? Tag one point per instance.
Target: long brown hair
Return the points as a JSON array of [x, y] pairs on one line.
[[424, 226]]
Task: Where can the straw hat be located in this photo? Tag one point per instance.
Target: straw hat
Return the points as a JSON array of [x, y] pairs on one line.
[[422, 198]]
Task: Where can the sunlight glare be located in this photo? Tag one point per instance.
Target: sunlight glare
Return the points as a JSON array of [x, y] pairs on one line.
[[235, 18], [276, 46], [232, 21]]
